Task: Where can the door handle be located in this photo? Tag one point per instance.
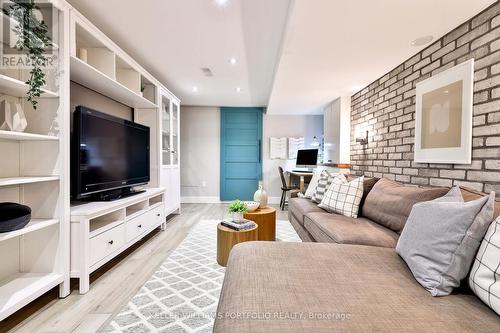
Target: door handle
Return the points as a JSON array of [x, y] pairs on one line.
[[260, 157]]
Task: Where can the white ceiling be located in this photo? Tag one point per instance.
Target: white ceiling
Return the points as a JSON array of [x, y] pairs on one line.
[[173, 39], [336, 47], [294, 58]]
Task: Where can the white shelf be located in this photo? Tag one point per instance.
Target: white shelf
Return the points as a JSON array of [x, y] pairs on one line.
[[92, 78], [96, 208], [35, 224], [26, 180], [20, 289], [20, 136], [98, 227], [17, 88]]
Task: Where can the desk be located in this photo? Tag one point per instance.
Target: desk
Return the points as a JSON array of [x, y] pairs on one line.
[[302, 175]]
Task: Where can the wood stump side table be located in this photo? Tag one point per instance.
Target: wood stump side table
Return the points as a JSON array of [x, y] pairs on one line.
[[266, 220], [227, 238]]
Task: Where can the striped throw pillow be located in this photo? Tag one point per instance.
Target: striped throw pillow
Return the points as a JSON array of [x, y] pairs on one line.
[[484, 277], [321, 186], [326, 179], [343, 197]]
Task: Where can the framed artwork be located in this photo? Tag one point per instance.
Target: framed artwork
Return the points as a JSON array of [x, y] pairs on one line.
[[443, 117]]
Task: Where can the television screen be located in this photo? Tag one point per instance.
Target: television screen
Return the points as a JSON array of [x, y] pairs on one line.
[[307, 157], [112, 153]]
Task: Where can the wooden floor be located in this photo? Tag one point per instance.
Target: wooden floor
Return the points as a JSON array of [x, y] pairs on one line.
[[114, 284]]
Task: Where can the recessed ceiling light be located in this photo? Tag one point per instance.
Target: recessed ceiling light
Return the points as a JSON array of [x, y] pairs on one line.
[[238, 89], [195, 89], [422, 40], [221, 3], [232, 61]]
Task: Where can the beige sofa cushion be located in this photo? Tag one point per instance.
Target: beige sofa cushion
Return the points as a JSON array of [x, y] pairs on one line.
[[335, 228], [299, 207], [389, 203], [364, 288], [470, 194]]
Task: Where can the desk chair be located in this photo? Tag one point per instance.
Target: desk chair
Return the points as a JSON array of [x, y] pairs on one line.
[[284, 188]]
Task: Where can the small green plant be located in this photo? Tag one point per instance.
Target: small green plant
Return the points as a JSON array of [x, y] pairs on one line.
[[238, 206], [32, 37], [143, 87]]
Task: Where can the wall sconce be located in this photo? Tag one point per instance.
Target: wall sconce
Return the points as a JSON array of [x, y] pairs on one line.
[[362, 139], [315, 142]]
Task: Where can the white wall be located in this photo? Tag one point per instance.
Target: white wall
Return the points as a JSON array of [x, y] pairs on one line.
[[285, 126], [337, 131], [200, 154], [200, 146]]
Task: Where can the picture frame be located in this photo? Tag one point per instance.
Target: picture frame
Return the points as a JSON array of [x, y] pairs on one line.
[[443, 116]]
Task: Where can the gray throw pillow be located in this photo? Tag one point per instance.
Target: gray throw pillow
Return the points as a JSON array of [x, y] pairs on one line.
[[441, 238]]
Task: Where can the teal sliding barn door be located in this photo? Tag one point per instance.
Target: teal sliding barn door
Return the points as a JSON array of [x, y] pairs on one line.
[[241, 152]]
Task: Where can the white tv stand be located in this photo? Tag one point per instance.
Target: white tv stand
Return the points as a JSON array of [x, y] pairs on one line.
[[102, 230]]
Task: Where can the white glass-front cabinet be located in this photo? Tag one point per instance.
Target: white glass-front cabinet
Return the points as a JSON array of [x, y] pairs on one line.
[[170, 141]]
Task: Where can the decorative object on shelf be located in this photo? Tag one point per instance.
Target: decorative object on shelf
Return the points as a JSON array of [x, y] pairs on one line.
[[443, 117], [315, 142], [143, 87], [32, 37], [12, 118], [260, 196], [294, 145], [277, 148], [13, 216], [252, 205], [237, 208], [82, 54]]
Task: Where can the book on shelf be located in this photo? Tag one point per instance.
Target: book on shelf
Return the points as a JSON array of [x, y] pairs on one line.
[[238, 226]]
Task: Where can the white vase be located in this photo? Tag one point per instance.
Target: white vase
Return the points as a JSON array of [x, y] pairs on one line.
[[261, 196], [237, 217], [12, 118]]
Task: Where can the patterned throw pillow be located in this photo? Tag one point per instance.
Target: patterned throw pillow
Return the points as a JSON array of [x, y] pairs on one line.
[[324, 181], [484, 278], [344, 197]]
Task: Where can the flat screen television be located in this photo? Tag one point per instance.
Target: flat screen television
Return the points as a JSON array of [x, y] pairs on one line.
[[109, 155]]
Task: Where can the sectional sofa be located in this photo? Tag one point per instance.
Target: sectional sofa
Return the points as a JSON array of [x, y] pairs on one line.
[[346, 276]]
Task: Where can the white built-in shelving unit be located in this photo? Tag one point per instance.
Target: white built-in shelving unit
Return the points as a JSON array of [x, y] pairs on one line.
[[34, 171], [36, 167]]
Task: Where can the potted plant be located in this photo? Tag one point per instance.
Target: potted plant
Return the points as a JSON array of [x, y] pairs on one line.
[[237, 208], [33, 38]]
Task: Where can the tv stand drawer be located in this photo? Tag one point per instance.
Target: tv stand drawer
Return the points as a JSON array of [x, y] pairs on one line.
[[106, 243], [137, 226]]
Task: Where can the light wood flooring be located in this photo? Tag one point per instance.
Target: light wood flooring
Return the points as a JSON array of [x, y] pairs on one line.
[[114, 284]]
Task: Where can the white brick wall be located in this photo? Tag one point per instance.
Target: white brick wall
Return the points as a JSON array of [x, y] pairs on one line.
[[387, 108]]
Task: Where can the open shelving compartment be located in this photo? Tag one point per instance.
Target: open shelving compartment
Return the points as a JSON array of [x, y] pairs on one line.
[[97, 66], [105, 222], [35, 258], [136, 209], [32, 256], [156, 201]]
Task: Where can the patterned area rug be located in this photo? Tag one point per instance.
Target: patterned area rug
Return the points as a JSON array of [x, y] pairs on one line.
[[182, 295]]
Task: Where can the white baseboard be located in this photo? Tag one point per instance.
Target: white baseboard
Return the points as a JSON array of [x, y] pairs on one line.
[[274, 200], [270, 200], [200, 200]]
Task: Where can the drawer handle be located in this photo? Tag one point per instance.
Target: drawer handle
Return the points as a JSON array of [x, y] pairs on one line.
[[110, 242], [158, 215], [139, 226]]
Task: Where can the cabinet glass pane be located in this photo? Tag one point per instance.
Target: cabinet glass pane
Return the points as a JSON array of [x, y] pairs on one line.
[[166, 144], [175, 134]]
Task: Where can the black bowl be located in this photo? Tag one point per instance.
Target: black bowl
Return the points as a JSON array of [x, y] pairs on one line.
[[13, 216]]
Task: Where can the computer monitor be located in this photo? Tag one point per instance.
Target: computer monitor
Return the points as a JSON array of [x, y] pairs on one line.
[[307, 158]]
